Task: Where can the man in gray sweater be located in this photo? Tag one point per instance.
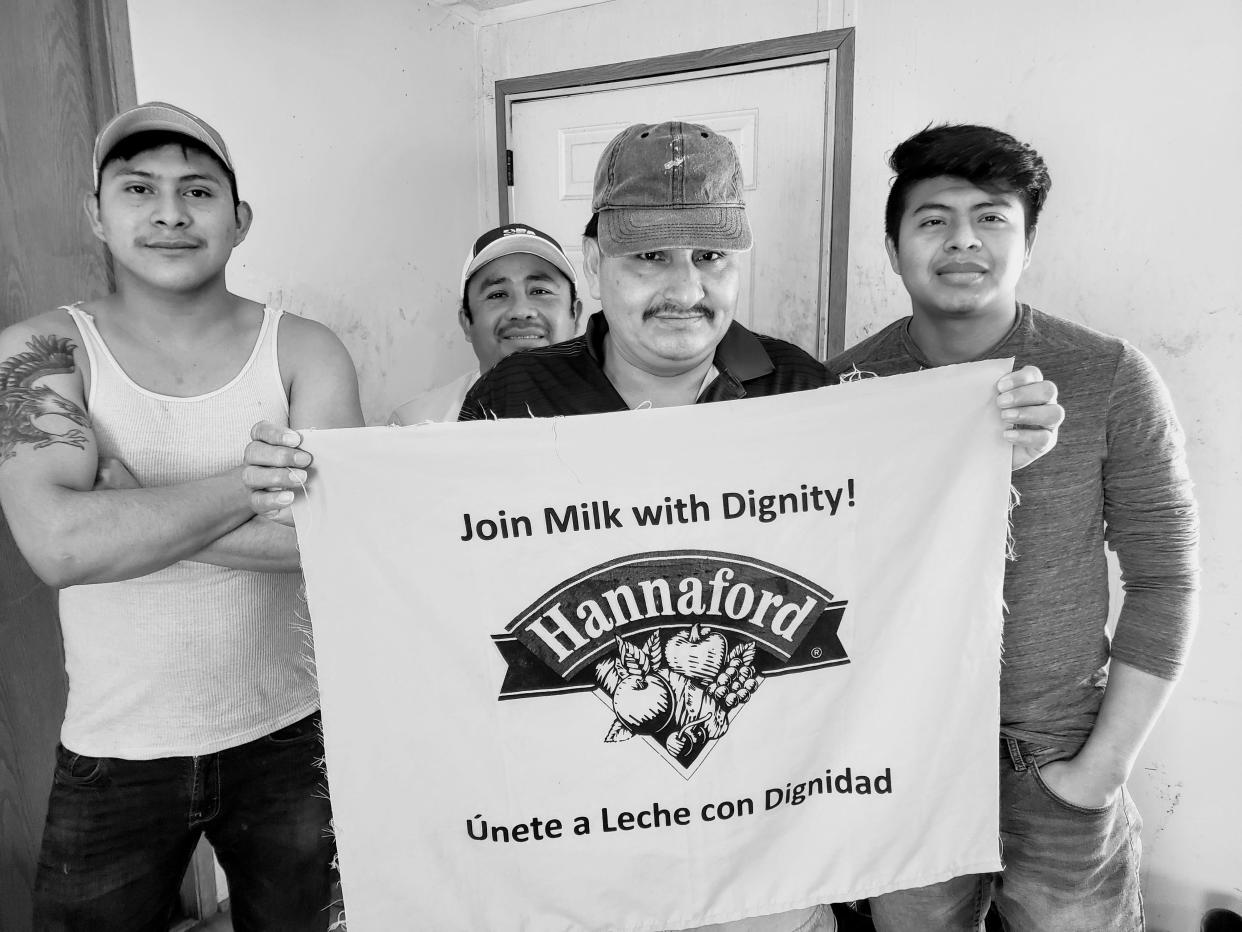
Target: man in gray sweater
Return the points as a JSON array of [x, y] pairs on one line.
[[1075, 707]]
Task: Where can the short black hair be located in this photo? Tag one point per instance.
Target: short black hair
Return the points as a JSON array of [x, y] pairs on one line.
[[132, 146], [985, 157], [465, 295]]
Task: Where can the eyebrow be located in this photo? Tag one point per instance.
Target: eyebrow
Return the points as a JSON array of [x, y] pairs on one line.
[[181, 179], [977, 206], [504, 280]]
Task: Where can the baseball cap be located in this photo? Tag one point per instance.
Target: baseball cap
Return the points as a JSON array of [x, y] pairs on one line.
[[515, 238], [669, 185], [157, 115]]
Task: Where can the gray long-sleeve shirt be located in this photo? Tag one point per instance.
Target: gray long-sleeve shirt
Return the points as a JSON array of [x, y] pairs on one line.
[[1117, 475]]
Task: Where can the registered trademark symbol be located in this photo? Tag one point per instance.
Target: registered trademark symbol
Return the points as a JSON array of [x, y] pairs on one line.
[[816, 653]]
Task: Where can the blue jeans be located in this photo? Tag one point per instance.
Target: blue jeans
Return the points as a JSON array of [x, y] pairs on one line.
[[1066, 868], [120, 833]]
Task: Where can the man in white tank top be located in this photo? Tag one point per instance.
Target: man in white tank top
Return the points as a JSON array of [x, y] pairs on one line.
[[192, 708]]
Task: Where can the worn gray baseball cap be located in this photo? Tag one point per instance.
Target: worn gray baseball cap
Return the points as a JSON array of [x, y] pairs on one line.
[[669, 185], [158, 115]]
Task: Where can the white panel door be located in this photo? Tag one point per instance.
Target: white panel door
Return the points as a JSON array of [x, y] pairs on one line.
[[775, 119]]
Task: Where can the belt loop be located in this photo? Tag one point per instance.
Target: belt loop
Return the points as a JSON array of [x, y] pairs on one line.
[[1015, 754]]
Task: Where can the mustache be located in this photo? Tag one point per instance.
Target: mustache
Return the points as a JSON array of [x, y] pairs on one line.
[[668, 307]]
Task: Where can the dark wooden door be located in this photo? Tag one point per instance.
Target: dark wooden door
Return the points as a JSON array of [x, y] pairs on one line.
[[58, 81]]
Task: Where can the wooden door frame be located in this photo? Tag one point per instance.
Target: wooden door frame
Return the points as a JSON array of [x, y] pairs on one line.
[[111, 67], [111, 58], [92, 38], [771, 53]]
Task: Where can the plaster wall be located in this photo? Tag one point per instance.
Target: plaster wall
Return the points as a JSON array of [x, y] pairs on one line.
[[353, 130]]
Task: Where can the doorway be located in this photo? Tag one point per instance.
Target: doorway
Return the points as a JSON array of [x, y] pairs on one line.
[[786, 104]]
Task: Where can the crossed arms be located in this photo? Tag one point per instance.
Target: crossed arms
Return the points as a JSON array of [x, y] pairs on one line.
[[77, 524]]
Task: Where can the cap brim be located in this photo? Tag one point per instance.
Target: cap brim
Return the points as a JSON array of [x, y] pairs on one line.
[[626, 231], [154, 118], [519, 244]]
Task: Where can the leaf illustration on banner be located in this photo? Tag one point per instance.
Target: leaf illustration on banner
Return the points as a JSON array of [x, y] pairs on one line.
[[618, 732], [631, 659], [718, 724], [743, 653], [655, 650], [607, 675]]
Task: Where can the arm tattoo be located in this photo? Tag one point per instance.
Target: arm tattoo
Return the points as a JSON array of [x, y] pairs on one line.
[[22, 402]]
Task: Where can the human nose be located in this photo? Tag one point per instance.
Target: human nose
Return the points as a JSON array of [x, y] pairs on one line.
[[170, 210], [962, 236], [683, 282], [522, 308]]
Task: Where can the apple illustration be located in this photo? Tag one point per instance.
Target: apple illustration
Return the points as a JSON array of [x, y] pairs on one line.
[[643, 702], [698, 653]]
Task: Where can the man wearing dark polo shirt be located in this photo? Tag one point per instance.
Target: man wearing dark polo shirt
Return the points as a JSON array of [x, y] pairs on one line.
[[663, 254]]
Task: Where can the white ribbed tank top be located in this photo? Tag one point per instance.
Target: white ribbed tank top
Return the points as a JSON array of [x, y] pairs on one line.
[[194, 658]]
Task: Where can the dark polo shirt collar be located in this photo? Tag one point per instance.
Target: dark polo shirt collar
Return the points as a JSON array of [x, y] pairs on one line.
[[739, 358], [568, 378]]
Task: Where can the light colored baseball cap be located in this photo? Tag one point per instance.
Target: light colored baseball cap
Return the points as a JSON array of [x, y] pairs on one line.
[[157, 115], [668, 185], [515, 238]]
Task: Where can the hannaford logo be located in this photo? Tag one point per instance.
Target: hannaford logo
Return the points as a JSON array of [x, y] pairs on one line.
[[675, 642]]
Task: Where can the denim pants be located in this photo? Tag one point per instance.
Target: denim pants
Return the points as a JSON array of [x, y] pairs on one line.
[[120, 834], [1066, 868]]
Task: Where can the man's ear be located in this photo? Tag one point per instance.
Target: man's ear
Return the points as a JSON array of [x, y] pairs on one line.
[[245, 217], [891, 248], [463, 319], [575, 309], [90, 204], [590, 264], [1030, 245]]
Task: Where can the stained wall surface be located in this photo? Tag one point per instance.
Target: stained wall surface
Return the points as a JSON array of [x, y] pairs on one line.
[[352, 127]]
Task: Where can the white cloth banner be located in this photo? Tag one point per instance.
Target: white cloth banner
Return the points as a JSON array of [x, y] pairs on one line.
[[655, 669]]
